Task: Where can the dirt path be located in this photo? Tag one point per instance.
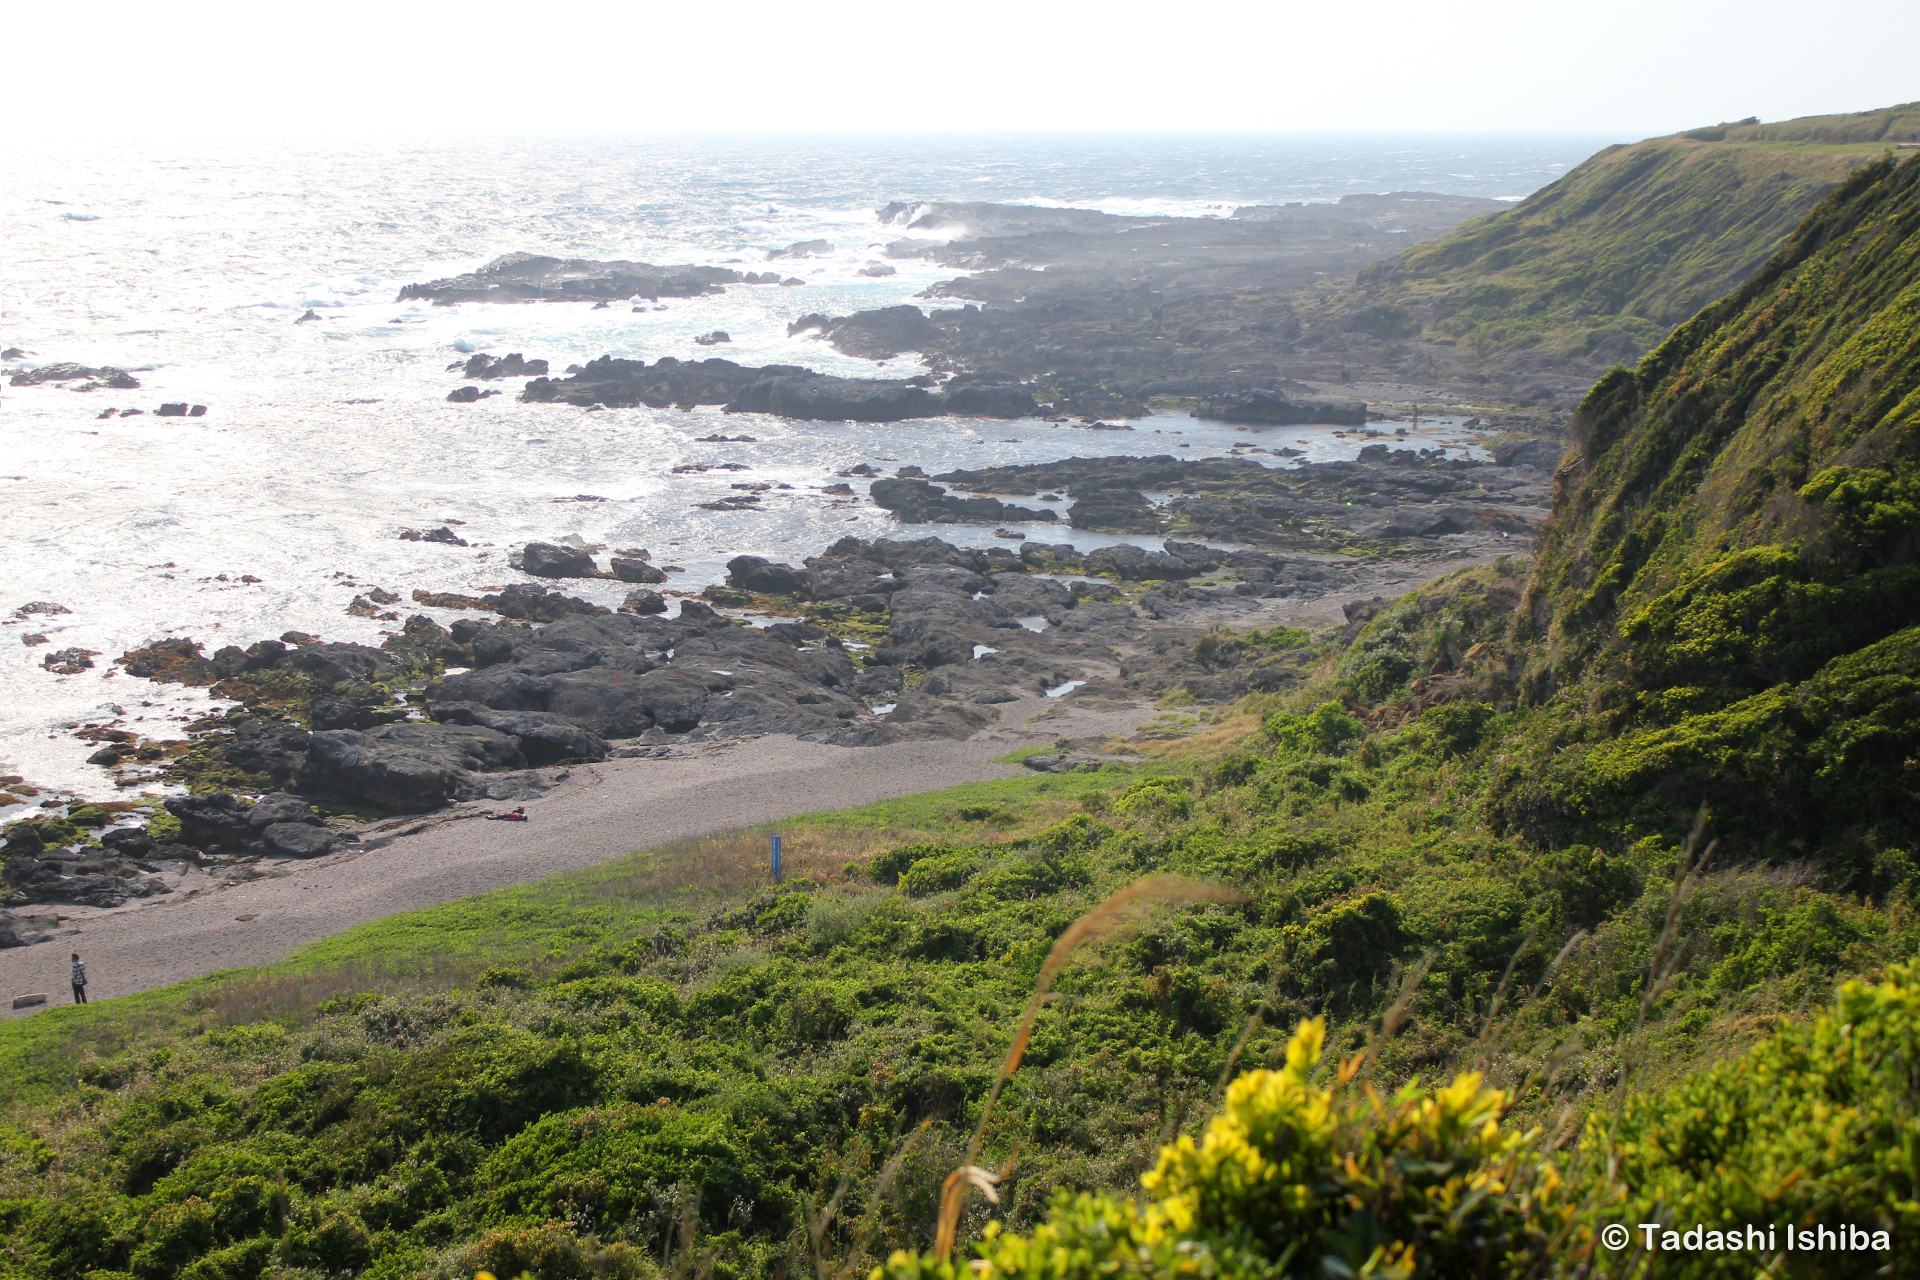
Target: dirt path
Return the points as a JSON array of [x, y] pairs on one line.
[[600, 813]]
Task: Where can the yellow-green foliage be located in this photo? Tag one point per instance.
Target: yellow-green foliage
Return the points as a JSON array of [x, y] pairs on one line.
[[1813, 1127], [1869, 504], [1725, 605], [1294, 1178]]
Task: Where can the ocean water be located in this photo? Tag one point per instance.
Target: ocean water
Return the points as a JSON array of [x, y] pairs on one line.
[[324, 440]]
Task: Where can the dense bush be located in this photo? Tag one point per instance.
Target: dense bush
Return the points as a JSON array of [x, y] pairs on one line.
[[1811, 1128]]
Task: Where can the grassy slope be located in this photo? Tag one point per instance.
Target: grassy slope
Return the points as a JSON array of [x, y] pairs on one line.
[[1725, 607], [666, 1036], [537, 925], [1608, 259], [1726, 603]]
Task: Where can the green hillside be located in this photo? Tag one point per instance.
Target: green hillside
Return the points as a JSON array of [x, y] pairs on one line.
[[1521, 917], [1602, 264], [1727, 597]]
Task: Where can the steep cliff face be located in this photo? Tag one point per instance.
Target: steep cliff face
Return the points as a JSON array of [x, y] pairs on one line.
[[1604, 263], [1727, 599]]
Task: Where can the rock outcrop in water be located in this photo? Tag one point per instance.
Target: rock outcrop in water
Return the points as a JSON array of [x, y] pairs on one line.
[[922, 502], [788, 390], [532, 277], [1389, 494], [513, 365], [107, 376], [876, 335]]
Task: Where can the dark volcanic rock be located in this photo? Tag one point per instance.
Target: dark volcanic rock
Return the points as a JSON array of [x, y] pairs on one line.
[[299, 840], [1123, 510], [1230, 314], [64, 882], [521, 601], [545, 738], [752, 573], [501, 687], [118, 379], [818, 396], [272, 747], [922, 502], [1128, 562], [874, 335], [1272, 408], [627, 569], [988, 400], [788, 390], [836, 578], [332, 712], [486, 367], [332, 664], [213, 821], [608, 702], [18, 932], [279, 808], [673, 700], [404, 768], [936, 621], [128, 842], [441, 535], [644, 602], [527, 277], [803, 249], [550, 560], [1537, 455]]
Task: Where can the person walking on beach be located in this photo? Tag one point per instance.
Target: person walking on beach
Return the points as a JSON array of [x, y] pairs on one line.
[[79, 980]]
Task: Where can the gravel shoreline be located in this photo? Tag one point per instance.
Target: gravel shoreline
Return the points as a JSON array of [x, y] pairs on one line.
[[602, 812]]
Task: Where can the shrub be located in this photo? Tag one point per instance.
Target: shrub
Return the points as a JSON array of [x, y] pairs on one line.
[[1380, 661], [623, 1167], [1459, 727], [1164, 796], [504, 978], [1325, 730], [338, 1242], [1871, 505], [891, 865], [552, 1253], [1814, 1126], [1347, 941], [1297, 1180], [938, 873]]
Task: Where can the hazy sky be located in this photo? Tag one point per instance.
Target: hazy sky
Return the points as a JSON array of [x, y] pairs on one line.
[[1629, 67]]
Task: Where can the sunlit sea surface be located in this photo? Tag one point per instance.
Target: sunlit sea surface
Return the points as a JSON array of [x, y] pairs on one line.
[[324, 440]]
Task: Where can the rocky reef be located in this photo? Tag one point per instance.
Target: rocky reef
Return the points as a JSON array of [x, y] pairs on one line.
[[532, 277], [1387, 495], [1105, 314], [788, 390]]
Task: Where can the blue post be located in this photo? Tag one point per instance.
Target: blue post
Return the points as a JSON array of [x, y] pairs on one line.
[[776, 860]]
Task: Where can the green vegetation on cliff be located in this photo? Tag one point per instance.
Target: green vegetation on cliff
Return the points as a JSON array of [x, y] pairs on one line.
[[1604, 263], [1726, 606], [1595, 844]]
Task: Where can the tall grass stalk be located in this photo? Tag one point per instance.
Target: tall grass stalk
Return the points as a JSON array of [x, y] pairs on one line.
[[1110, 917]]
